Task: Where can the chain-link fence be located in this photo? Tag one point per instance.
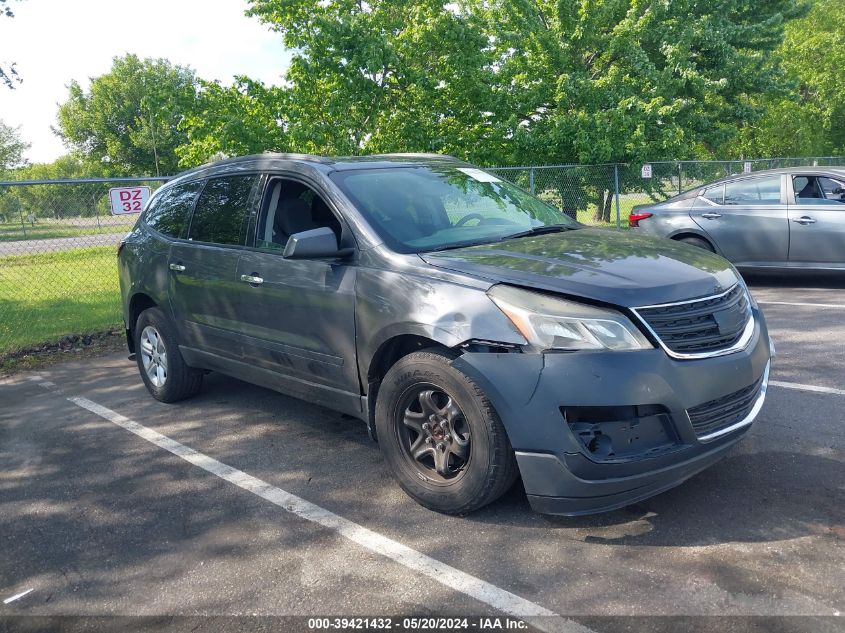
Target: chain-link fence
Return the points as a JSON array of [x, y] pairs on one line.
[[603, 195], [58, 270]]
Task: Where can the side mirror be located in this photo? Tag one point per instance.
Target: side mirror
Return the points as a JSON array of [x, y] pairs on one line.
[[314, 244]]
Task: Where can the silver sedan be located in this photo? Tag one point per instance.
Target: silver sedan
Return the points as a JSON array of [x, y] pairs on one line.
[[781, 218]]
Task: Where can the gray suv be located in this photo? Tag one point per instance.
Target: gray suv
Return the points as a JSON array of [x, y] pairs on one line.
[[480, 333]]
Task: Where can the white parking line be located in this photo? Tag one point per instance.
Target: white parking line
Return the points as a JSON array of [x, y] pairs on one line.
[[798, 303], [17, 596], [485, 592], [813, 388]]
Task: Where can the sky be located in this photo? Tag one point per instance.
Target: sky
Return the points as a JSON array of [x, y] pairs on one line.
[[55, 41]]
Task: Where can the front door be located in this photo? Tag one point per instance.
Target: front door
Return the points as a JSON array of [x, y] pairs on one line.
[[746, 219], [817, 221], [298, 316], [203, 269]]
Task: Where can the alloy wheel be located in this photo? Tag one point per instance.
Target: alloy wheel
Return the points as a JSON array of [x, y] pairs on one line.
[[154, 356], [434, 434]]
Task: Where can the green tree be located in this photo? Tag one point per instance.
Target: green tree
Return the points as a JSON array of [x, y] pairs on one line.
[[810, 119], [244, 118], [384, 75], [594, 81], [12, 148], [127, 122], [516, 81], [8, 73]]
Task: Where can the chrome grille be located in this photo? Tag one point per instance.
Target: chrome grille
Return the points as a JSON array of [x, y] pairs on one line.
[[700, 326], [711, 417]]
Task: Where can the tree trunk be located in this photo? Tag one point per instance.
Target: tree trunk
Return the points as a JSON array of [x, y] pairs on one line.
[[603, 205], [608, 203]]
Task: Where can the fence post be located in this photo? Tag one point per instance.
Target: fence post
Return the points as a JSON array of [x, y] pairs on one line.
[[680, 177], [616, 192], [23, 224], [97, 212], [531, 180]]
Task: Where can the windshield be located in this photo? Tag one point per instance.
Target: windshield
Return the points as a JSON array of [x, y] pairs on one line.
[[424, 208]]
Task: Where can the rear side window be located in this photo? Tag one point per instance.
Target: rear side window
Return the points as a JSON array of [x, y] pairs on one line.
[[715, 194], [753, 191], [220, 213], [169, 211]]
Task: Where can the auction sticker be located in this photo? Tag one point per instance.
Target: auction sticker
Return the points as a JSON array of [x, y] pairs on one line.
[[477, 174], [128, 199]]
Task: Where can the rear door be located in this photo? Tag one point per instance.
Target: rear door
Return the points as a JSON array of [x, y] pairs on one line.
[[747, 219], [817, 220], [298, 316], [202, 268]]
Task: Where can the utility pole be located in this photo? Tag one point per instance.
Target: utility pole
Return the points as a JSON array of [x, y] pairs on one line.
[[155, 149]]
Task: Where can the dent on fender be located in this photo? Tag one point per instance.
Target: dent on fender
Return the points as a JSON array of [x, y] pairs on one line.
[[393, 303]]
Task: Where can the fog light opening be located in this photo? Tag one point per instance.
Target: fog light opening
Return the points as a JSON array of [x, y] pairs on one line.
[[600, 445]]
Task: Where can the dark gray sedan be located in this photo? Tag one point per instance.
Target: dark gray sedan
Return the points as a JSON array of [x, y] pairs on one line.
[[783, 218]]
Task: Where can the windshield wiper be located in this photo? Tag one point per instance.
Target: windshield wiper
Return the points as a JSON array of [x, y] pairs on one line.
[[449, 247], [540, 230], [537, 230]]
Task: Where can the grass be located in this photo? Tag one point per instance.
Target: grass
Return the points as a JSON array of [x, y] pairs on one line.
[[626, 203], [49, 295], [46, 229]]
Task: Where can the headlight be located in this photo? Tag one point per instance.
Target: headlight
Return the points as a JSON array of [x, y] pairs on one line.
[[548, 323]]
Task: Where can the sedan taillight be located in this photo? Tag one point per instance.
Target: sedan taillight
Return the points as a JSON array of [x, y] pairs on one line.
[[634, 218]]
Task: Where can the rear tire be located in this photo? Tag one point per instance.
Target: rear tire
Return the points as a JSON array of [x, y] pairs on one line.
[[700, 242], [163, 370], [463, 460]]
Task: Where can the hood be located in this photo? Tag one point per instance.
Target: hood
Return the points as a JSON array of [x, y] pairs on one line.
[[607, 266]]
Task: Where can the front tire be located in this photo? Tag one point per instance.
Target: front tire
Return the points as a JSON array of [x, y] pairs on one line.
[[440, 435], [163, 370]]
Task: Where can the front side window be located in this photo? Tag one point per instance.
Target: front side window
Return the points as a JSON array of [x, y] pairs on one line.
[[424, 208], [833, 189], [818, 190], [220, 213], [291, 207], [169, 211], [753, 191]]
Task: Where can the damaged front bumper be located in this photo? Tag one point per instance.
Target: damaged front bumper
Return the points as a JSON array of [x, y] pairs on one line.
[[595, 431]]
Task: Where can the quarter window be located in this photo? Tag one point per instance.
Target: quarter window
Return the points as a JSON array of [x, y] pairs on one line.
[[220, 213], [168, 213], [754, 191]]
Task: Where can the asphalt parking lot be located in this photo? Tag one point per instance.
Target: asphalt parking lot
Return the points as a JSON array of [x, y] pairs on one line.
[[242, 501]]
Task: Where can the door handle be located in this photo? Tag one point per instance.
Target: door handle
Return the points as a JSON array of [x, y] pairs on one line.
[[804, 220], [253, 280], [179, 268], [711, 216]]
